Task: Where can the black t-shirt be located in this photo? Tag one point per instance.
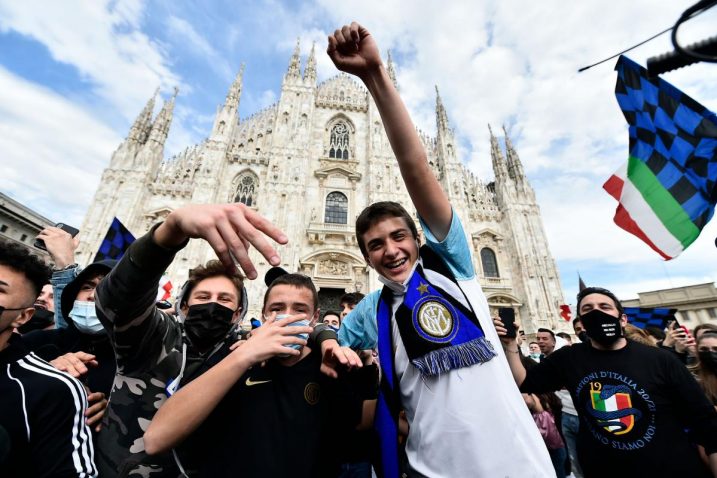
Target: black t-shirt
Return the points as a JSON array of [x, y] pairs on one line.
[[635, 405], [275, 422]]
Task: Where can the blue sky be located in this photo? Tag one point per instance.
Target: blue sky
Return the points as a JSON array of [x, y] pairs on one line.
[[74, 75]]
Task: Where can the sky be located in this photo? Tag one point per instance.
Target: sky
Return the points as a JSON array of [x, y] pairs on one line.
[[75, 74]]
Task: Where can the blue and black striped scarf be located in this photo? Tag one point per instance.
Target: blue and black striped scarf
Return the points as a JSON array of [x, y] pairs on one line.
[[440, 333]]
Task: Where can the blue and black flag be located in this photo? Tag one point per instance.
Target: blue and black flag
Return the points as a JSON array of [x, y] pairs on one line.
[[666, 190], [115, 243], [642, 317]]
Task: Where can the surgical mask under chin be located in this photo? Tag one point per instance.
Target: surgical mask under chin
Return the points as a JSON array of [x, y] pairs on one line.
[[207, 324], [304, 336], [84, 316], [535, 356], [603, 328]]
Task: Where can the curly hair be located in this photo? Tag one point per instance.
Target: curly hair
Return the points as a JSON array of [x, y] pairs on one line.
[[19, 259]]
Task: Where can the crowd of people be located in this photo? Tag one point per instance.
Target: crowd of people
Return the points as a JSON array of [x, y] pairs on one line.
[[416, 379]]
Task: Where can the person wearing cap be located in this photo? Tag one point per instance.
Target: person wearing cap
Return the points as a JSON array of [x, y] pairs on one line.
[[635, 402], [156, 353]]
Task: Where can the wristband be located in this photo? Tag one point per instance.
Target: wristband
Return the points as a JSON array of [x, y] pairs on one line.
[[321, 333], [66, 268]]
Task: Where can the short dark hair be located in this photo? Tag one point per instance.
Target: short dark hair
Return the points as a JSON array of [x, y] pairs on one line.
[[351, 298], [377, 212], [531, 343], [19, 259], [564, 335], [598, 290], [655, 332], [552, 334], [576, 320], [331, 312], [213, 268], [297, 280]]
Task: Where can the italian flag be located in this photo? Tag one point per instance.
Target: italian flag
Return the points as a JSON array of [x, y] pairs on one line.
[[649, 211]]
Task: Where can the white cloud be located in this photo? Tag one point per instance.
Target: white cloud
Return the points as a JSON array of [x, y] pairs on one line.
[[103, 41], [182, 32], [53, 151]]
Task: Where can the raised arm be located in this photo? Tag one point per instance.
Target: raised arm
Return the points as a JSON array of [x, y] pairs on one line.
[[353, 50]]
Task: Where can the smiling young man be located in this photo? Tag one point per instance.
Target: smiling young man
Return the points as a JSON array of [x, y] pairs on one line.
[[436, 344], [634, 401], [268, 392]]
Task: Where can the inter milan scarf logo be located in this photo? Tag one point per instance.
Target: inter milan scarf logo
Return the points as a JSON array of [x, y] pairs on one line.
[[440, 331]]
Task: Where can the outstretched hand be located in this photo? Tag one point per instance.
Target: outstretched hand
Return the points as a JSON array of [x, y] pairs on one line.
[[74, 363], [334, 356], [353, 50], [231, 229]]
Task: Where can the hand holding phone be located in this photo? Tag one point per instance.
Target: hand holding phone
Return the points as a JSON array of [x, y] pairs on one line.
[[507, 316], [60, 243], [40, 243]]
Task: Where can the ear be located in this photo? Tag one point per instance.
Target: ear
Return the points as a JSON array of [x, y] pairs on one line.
[[184, 308], [236, 316], [623, 320], [23, 317]]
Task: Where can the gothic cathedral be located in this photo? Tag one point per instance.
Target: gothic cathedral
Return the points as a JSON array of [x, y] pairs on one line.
[[310, 163]]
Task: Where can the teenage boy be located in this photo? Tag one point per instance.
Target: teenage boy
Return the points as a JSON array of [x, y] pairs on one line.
[[287, 410], [348, 302], [437, 347]]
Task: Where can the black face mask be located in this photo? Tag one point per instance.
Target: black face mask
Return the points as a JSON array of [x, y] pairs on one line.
[[708, 360], [583, 336], [601, 327], [207, 324], [41, 319]]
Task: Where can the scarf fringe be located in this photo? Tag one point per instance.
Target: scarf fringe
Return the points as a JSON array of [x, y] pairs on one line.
[[435, 362]]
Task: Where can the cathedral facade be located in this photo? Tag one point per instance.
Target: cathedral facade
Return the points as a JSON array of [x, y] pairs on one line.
[[310, 163]]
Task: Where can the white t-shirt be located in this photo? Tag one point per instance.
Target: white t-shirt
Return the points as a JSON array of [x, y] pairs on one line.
[[469, 422]]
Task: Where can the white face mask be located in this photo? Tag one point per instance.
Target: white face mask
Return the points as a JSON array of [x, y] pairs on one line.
[[304, 336], [84, 315]]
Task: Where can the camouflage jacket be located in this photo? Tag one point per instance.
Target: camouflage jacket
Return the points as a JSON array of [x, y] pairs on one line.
[[148, 349]]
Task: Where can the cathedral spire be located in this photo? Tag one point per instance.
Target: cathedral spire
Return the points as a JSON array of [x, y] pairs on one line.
[[391, 69], [496, 156], [140, 128], [234, 93], [515, 167], [441, 115], [160, 129], [294, 70], [310, 70]]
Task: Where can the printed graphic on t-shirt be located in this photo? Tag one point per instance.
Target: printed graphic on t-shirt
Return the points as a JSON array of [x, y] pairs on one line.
[[619, 413]]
